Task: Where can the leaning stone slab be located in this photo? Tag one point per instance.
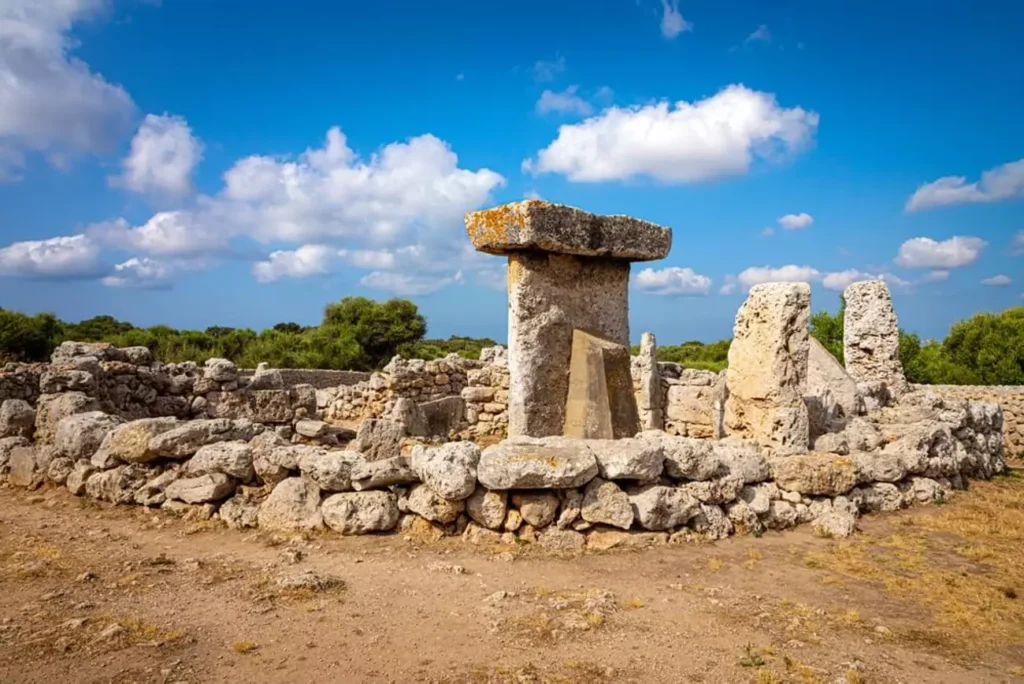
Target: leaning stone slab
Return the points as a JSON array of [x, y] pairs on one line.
[[524, 463], [871, 339], [600, 403], [538, 226], [185, 440], [832, 396], [360, 512], [815, 474]]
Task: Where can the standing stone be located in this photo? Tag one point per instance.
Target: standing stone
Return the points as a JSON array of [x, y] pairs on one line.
[[649, 399], [601, 403], [871, 338], [767, 375], [567, 270]]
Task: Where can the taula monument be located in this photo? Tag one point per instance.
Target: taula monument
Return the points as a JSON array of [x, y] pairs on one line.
[[563, 439]]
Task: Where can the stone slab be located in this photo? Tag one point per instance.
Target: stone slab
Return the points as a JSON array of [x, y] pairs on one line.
[[600, 402]]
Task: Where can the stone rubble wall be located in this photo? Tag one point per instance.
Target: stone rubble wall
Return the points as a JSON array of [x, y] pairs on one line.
[[1009, 397], [21, 381], [320, 378]]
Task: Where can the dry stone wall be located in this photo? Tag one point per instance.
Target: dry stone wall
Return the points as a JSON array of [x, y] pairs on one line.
[[1010, 398], [21, 381]]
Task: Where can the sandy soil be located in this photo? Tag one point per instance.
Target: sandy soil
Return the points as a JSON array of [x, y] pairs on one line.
[[91, 593]]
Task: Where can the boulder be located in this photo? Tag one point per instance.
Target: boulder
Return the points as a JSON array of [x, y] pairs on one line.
[[28, 465], [881, 497], [293, 505], [711, 522], [79, 436], [449, 469], [686, 458], [426, 503], [878, 466], [383, 473], [536, 508], [274, 458], [835, 524], [52, 408], [781, 515], [604, 502], [718, 491], [153, 493], [185, 440], [240, 511], [871, 341], [558, 539], [17, 418], [487, 508], [59, 469], [220, 370], [741, 460], [360, 512], [572, 507], [129, 443], [229, 458], [815, 474], [80, 472], [628, 459], [530, 463], [119, 485], [312, 429], [7, 445], [657, 507], [201, 489], [379, 438], [331, 470]]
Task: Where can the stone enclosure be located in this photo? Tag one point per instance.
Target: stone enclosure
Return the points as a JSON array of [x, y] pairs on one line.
[[563, 439]]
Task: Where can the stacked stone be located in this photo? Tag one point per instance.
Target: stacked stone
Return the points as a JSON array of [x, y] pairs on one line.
[[263, 398], [486, 395], [21, 381], [694, 402], [1010, 397]]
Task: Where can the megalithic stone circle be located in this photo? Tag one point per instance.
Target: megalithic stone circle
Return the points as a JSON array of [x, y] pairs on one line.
[[567, 270]]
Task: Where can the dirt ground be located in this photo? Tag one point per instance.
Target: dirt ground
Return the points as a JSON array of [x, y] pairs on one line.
[[92, 593]]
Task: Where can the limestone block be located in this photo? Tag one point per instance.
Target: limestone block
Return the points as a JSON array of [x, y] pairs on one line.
[[649, 397], [294, 504], [871, 341], [557, 463], [17, 418], [832, 395], [628, 459], [449, 469], [815, 474], [767, 375], [360, 512], [661, 508], [535, 225], [600, 403], [383, 473], [487, 508], [202, 489], [604, 502]]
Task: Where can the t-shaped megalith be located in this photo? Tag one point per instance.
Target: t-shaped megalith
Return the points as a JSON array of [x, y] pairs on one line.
[[567, 270], [871, 337]]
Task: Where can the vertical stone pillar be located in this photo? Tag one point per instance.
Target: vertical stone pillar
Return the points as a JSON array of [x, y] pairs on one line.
[[871, 337], [567, 270], [650, 399], [767, 375]]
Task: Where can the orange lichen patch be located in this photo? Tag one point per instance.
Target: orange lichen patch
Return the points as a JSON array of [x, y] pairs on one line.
[[488, 230]]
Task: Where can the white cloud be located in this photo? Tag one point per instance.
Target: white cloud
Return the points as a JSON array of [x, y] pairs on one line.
[[672, 280], [51, 102], [544, 71], [165, 233], [840, 280], [11, 163], [796, 221], [922, 252], [565, 102], [791, 273], [682, 143], [1017, 247], [493, 278], [61, 257], [672, 22], [760, 35], [999, 183], [151, 274], [319, 260], [728, 288], [997, 280], [163, 155], [406, 285]]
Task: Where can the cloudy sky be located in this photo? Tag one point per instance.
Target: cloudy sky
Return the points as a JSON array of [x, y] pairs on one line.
[[199, 163]]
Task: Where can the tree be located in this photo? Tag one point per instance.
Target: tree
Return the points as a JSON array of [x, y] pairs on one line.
[[28, 338], [381, 329], [828, 329], [989, 346], [96, 329]]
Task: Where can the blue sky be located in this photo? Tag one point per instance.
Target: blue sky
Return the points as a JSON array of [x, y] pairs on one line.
[[228, 163]]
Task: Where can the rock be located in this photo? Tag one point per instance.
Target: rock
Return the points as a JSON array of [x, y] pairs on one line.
[[331, 470], [602, 539], [628, 459], [780, 515], [561, 540], [831, 396], [313, 429], [650, 400], [759, 497], [441, 417], [923, 490], [835, 524], [426, 503], [572, 506], [767, 373], [129, 443], [537, 508], [513, 520], [186, 439], [480, 536], [28, 465], [882, 497], [487, 508], [742, 461], [220, 370], [878, 466], [80, 472], [240, 511], [266, 378], [815, 474], [528, 463], [407, 413], [274, 458], [79, 436], [871, 341], [600, 403], [857, 435], [711, 522], [720, 491], [52, 408], [450, 469], [604, 502], [153, 493], [379, 438], [59, 469], [120, 484], [229, 458], [383, 473], [657, 507], [294, 504], [415, 528], [201, 489], [7, 445], [687, 458], [17, 419], [360, 512]]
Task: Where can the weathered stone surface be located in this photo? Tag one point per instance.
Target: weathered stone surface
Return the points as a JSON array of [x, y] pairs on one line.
[[129, 443], [572, 506], [780, 516], [479, 536], [294, 504], [220, 370], [53, 408], [266, 377], [360, 512], [815, 474], [312, 429], [230, 458], [602, 539], [649, 398], [537, 508], [871, 341], [657, 507], [552, 463], [379, 438], [550, 295], [628, 459], [384, 473], [449, 469], [832, 396], [487, 508], [80, 472], [835, 524], [538, 226], [857, 435], [201, 489], [59, 469], [274, 458], [153, 493], [240, 511], [721, 490], [882, 497], [877, 466], [600, 403], [186, 439], [426, 503], [28, 465], [685, 457], [120, 484], [711, 522], [332, 470], [767, 374], [561, 540], [80, 435], [923, 490], [604, 502], [17, 418], [443, 416]]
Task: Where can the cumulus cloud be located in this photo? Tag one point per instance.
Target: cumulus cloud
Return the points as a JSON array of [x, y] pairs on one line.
[[493, 278], [999, 183], [796, 221], [672, 280], [923, 252], [165, 233], [62, 257], [997, 280], [767, 231], [791, 273], [319, 260], [565, 102], [544, 71], [840, 280], [51, 102], [680, 143], [406, 285], [672, 22], [163, 155], [151, 274]]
